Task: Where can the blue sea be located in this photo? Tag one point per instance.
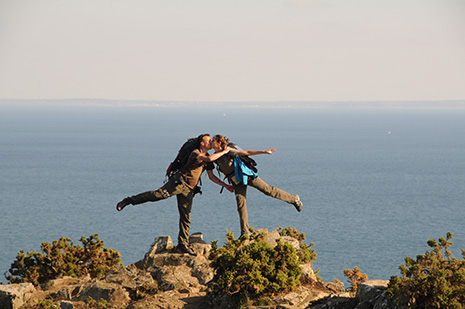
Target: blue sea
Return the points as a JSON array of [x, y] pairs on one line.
[[376, 183]]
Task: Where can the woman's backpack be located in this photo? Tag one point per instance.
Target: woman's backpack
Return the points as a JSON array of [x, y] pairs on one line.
[[248, 161]]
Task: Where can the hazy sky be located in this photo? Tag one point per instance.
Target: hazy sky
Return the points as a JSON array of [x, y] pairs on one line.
[[216, 50]]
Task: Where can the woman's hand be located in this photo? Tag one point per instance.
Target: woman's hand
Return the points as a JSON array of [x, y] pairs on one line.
[[270, 151]]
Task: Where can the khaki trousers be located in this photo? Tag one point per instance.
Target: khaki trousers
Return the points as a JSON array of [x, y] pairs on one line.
[[240, 190], [184, 196]]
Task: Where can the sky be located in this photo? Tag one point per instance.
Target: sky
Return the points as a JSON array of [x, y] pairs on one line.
[[241, 50]]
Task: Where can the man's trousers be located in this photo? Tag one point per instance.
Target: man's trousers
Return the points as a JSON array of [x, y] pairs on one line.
[[184, 195]]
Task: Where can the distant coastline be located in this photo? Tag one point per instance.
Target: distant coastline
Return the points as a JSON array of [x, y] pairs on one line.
[[445, 104]]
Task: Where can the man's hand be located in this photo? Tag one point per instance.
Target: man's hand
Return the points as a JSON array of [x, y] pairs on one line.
[[229, 188]]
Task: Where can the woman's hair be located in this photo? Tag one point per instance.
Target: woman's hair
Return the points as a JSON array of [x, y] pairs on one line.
[[224, 141]]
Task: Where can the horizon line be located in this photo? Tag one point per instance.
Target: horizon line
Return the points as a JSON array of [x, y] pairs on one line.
[[315, 104]]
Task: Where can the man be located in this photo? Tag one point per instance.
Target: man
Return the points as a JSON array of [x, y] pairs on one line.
[[239, 185], [182, 185]]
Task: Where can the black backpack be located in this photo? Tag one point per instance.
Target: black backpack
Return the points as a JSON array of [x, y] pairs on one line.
[[180, 161], [248, 161]]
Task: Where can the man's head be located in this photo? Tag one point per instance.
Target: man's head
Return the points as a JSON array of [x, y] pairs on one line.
[[205, 142]]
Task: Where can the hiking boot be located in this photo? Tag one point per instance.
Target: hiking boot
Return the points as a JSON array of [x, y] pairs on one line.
[[298, 204], [184, 249], [123, 204]]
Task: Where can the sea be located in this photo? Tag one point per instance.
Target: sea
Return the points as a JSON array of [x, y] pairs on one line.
[[376, 183]]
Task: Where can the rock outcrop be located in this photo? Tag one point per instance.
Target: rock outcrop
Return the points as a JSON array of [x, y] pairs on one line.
[[371, 294], [15, 295], [165, 279]]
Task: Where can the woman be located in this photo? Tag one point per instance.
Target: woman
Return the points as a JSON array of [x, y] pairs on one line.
[[226, 166]]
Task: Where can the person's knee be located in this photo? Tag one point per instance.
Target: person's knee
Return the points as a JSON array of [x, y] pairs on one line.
[[267, 190], [240, 199], [163, 193]]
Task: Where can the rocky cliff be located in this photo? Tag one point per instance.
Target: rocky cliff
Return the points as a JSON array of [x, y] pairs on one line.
[[164, 279]]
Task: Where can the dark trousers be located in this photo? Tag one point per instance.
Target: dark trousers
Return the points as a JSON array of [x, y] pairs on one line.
[[184, 196], [240, 190]]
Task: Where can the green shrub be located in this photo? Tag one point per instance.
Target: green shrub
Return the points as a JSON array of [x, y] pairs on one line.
[[432, 281], [63, 258], [100, 304], [253, 268], [43, 304], [306, 254]]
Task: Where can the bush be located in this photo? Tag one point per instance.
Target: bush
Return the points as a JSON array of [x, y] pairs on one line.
[[100, 304], [43, 304], [253, 268], [306, 254], [355, 277], [432, 281], [63, 258]]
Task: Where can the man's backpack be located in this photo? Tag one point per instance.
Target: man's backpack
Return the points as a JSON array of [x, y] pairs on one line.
[[180, 161]]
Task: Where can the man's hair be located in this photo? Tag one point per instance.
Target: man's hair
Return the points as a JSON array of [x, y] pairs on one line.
[[223, 140], [201, 136]]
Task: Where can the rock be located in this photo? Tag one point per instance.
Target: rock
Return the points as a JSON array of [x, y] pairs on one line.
[[59, 283], [179, 277], [292, 241], [271, 237], [130, 278], [335, 287], [201, 249], [335, 302], [264, 230], [370, 288], [160, 244], [111, 292], [372, 294], [297, 298], [171, 299], [196, 238], [180, 271], [66, 305], [308, 275], [203, 273], [13, 296]]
